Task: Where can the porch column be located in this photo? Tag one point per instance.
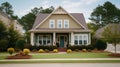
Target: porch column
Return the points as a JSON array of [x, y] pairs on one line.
[[72, 39], [32, 38], [89, 40], [54, 36]]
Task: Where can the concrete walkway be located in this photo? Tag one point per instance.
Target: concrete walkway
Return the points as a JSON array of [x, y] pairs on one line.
[[60, 59]]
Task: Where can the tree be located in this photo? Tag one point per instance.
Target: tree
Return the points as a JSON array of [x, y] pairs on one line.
[[3, 31], [111, 34], [6, 8], [28, 20], [105, 14], [13, 36]]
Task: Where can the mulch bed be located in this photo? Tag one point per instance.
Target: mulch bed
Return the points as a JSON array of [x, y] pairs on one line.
[[19, 57], [114, 54]]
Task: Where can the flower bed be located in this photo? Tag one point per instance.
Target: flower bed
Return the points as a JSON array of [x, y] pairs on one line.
[[115, 54]]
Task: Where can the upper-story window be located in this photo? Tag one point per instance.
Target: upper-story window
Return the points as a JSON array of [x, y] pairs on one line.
[[59, 23], [66, 23], [52, 24]]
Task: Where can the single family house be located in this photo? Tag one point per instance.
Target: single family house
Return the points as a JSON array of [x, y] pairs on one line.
[[60, 28]]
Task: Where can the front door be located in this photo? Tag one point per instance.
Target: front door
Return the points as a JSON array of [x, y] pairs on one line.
[[61, 41]]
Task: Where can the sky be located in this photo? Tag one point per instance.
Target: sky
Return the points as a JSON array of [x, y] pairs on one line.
[[22, 7]]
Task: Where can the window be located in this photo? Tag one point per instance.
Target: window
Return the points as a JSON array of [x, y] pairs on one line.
[[44, 39], [66, 23], [76, 40], [59, 23], [80, 39], [52, 24]]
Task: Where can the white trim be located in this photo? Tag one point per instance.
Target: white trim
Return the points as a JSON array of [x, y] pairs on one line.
[[32, 39], [54, 40], [53, 13], [43, 39], [67, 23], [51, 21], [59, 21], [84, 37]]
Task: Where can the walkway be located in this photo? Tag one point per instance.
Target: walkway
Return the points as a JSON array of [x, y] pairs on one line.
[[60, 59]]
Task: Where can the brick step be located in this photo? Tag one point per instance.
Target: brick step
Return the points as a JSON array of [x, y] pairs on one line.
[[62, 49]]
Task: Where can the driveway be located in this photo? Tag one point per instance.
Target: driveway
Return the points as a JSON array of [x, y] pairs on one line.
[[63, 65]]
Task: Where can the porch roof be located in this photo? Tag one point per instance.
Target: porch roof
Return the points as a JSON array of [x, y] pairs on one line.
[[60, 30]]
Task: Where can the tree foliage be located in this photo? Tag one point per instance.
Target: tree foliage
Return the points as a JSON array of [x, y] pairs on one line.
[[13, 36], [111, 34], [28, 19], [6, 7], [105, 14], [3, 31]]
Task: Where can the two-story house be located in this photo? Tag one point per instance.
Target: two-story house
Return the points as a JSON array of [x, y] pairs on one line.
[[60, 28]]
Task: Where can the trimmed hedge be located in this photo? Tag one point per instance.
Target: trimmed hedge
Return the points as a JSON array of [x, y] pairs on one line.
[[100, 45], [43, 47], [73, 48]]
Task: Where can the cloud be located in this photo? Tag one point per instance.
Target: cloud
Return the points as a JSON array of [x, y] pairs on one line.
[[80, 6], [21, 13]]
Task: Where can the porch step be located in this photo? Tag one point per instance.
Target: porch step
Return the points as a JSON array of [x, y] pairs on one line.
[[62, 49]]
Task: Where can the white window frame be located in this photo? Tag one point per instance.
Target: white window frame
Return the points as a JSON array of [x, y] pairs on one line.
[[44, 39], [51, 22], [59, 22], [66, 22], [83, 37]]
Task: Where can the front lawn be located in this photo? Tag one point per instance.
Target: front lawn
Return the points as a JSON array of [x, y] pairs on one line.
[[67, 55], [71, 55]]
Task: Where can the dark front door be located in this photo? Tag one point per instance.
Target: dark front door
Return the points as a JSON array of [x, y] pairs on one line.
[[61, 41]]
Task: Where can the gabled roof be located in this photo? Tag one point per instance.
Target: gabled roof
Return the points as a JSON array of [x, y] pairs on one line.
[[99, 32], [78, 17]]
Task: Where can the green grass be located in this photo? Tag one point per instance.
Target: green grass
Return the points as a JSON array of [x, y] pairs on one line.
[[73, 55], [69, 55]]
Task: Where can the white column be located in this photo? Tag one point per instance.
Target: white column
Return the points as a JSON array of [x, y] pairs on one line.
[[72, 39], [32, 39], [89, 36], [54, 38]]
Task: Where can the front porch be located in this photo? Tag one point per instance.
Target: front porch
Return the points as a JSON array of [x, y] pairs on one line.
[[61, 40]]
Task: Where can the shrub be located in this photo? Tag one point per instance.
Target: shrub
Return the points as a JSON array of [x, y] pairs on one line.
[[77, 47], [69, 50], [76, 50], [84, 50], [46, 50], [3, 44], [20, 44], [47, 47], [11, 50], [26, 51], [55, 50], [100, 45], [41, 51]]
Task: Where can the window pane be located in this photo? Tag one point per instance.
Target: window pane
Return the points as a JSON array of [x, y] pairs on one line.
[[76, 37], [51, 23], [85, 42], [40, 42], [66, 23], [44, 42], [59, 22], [76, 42], [80, 42]]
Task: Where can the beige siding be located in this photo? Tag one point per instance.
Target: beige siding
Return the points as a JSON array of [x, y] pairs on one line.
[[72, 23]]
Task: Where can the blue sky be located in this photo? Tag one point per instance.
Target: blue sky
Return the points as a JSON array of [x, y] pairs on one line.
[[22, 7]]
